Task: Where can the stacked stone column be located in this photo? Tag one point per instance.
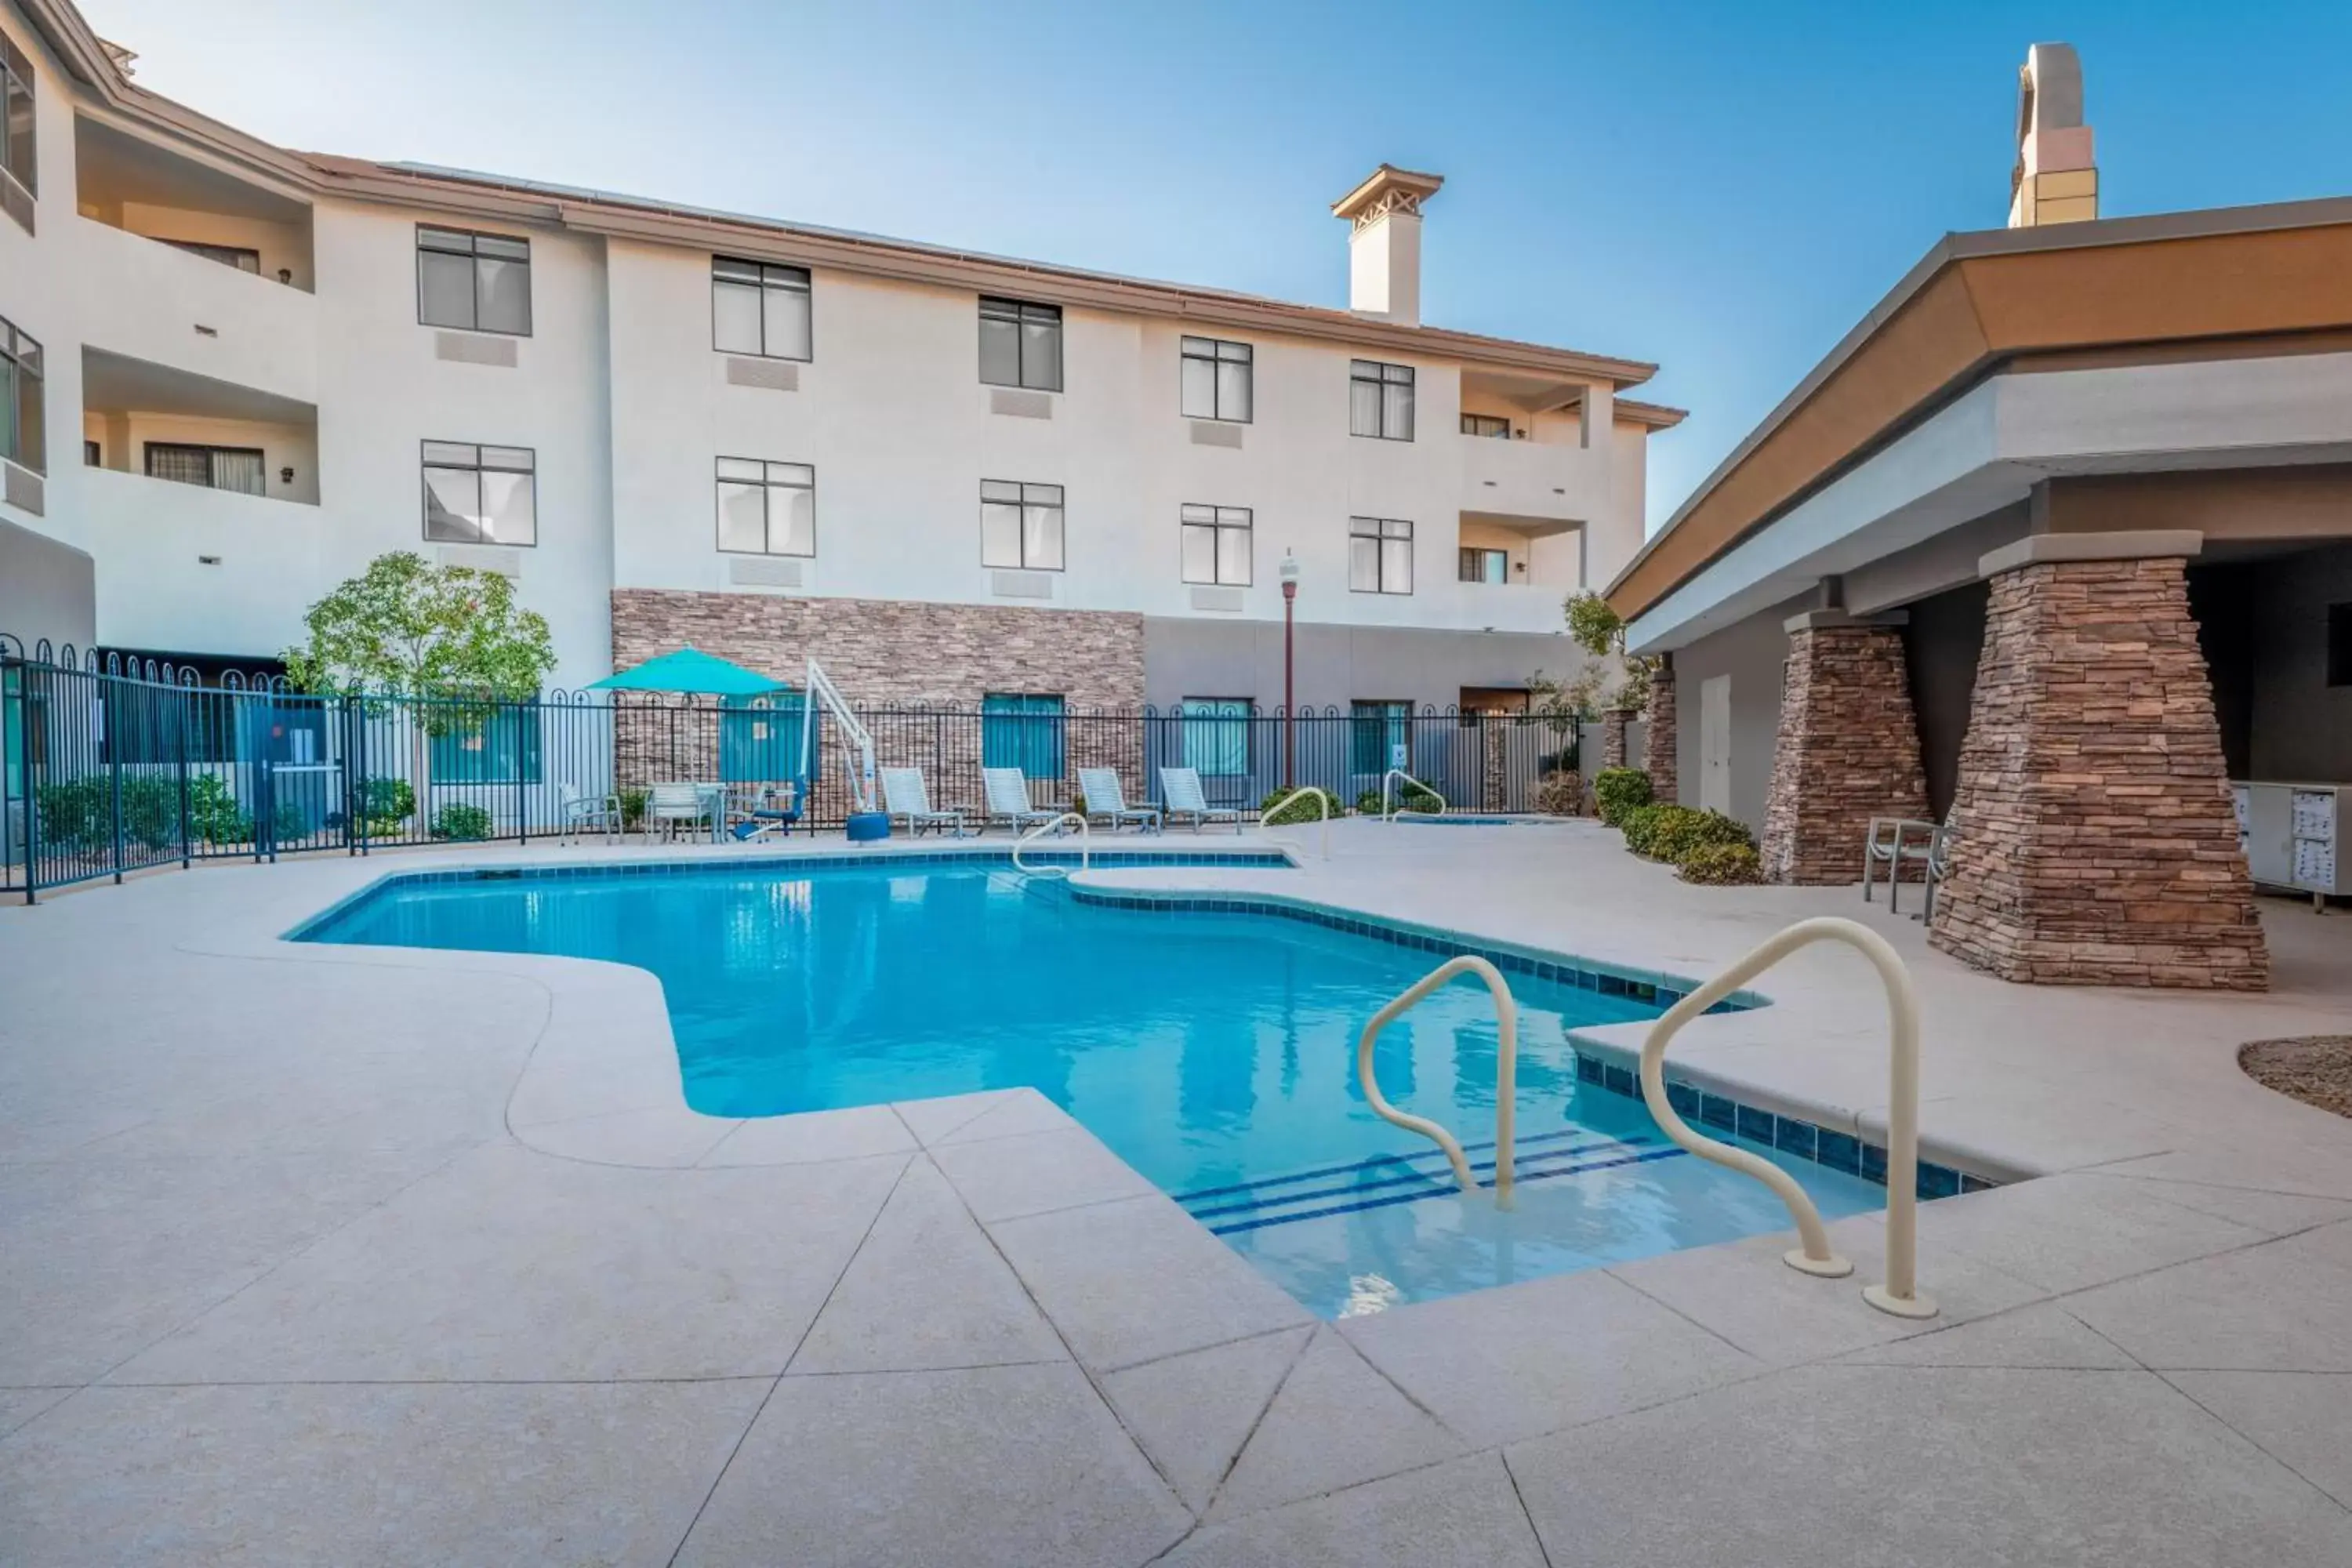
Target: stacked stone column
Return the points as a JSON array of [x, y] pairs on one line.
[[1612, 736], [2094, 840], [1658, 731], [1847, 750]]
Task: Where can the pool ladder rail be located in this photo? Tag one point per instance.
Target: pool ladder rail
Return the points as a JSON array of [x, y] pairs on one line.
[[1322, 800], [1899, 1295], [1393, 807], [1085, 846]]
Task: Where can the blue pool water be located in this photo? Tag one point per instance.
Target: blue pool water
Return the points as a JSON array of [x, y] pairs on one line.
[[1212, 1051]]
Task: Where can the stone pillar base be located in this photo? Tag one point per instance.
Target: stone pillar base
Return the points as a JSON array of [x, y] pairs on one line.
[[1612, 736], [1847, 750], [1658, 738], [2094, 841]]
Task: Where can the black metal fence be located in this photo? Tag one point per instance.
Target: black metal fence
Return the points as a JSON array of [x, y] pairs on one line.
[[110, 765]]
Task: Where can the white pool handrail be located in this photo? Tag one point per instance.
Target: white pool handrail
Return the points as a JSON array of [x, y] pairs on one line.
[[1900, 1294], [1085, 846], [1389, 810], [1506, 1070], [1323, 799]]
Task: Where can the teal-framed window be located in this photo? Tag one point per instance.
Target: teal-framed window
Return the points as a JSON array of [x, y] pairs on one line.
[[1217, 735], [1022, 729], [500, 746], [759, 739], [1376, 731]]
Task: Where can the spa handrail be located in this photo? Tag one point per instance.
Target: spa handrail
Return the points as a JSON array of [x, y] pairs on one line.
[[1506, 1070], [1900, 1294], [1085, 846], [1323, 802], [1390, 811]]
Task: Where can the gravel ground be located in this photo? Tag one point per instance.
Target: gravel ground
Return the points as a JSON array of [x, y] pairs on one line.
[[2314, 1068]]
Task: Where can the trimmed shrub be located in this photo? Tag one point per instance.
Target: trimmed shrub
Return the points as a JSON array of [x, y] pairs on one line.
[[1409, 798], [1618, 791], [1561, 794], [384, 799], [458, 820], [1722, 865], [1640, 825], [79, 813], [633, 808], [1679, 830], [214, 816], [1302, 809]]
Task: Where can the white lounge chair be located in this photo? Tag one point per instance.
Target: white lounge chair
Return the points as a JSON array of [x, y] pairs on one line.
[[905, 796], [1106, 797], [1007, 790], [585, 814], [668, 805], [1182, 787]]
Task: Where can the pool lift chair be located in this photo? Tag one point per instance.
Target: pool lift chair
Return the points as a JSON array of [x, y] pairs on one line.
[[775, 810]]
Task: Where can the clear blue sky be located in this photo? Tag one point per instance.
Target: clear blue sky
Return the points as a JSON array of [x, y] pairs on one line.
[[1722, 189]]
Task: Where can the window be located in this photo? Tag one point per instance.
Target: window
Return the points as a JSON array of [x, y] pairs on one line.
[[1487, 425], [1379, 556], [16, 149], [1380, 400], [237, 468], [234, 256], [22, 440], [496, 745], [1021, 344], [767, 509], [1217, 545], [2339, 644], [1217, 380], [1217, 735], [93, 455], [478, 282], [758, 308], [1379, 737], [1480, 565], [480, 494], [1020, 525], [1022, 730]]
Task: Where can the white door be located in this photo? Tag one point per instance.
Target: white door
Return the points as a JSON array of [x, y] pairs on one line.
[[1714, 743]]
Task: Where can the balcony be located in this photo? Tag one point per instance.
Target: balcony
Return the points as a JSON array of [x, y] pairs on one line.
[[1541, 479], [198, 571], [184, 262]]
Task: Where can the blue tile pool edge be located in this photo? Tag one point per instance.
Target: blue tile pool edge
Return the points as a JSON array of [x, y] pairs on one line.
[[1252, 858], [1790, 1136], [1651, 986]]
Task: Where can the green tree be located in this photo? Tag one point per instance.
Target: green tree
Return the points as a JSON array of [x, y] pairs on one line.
[[407, 628]]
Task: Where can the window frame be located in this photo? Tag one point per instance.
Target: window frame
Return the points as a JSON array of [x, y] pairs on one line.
[[1021, 503], [1216, 525], [789, 279], [213, 452], [427, 464], [1484, 551], [1212, 352], [1019, 318], [1383, 529], [17, 67], [233, 257], [23, 365], [1383, 375], [768, 484], [1468, 419], [1389, 718], [524, 755], [1213, 721], [1031, 714], [473, 238]]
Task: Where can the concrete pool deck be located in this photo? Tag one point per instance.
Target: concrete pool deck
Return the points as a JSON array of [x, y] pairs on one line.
[[321, 1253]]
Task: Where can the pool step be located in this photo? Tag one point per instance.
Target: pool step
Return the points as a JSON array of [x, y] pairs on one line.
[[1386, 1180]]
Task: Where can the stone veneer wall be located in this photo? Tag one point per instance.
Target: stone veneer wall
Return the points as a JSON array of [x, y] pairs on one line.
[[1847, 751], [1612, 736], [892, 652], [1658, 737], [2095, 842]]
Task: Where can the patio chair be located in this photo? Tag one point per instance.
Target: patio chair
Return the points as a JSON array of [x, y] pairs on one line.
[[1181, 789], [1895, 842], [582, 813], [761, 809], [905, 796], [668, 805], [1007, 790], [1106, 797]]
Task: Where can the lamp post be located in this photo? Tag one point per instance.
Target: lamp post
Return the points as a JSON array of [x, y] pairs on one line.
[[1289, 573]]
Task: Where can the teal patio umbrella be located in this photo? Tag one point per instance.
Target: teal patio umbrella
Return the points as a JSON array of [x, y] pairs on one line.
[[689, 669]]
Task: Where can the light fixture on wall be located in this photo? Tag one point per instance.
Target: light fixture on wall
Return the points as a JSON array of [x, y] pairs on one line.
[[285, 476]]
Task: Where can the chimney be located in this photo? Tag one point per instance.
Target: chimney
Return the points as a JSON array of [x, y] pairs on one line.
[[1384, 245], [2056, 179]]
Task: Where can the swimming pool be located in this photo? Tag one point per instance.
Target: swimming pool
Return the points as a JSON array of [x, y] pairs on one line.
[[1211, 1049]]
